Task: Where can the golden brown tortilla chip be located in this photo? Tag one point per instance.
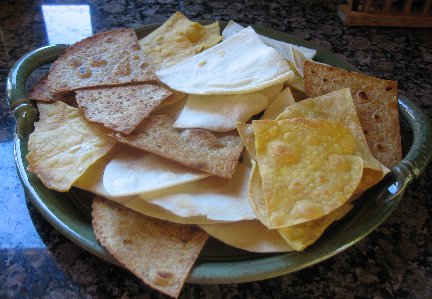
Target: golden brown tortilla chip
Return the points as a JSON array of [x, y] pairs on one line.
[[158, 252], [63, 145], [376, 103], [195, 148], [104, 59], [121, 108]]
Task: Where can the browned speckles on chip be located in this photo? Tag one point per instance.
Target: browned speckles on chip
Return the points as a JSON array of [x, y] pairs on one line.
[[196, 148], [376, 104], [104, 59], [41, 93], [160, 253], [121, 108]]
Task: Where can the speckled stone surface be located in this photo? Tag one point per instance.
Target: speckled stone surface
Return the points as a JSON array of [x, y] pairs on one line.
[[395, 261]]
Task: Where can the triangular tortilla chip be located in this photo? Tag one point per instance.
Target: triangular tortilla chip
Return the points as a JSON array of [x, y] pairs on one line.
[[220, 113], [215, 198], [194, 148], [375, 101], [307, 166], [104, 59], [298, 236], [241, 64], [134, 171], [63, 145], [283, 48], [248, 235], [121, 108], [158, 252], [168, 51], [178, 26], [339, 106], [248, 137], [283, 100], [40, 92]]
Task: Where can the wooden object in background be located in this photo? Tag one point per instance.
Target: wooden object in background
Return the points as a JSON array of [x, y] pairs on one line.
[[405, 13]]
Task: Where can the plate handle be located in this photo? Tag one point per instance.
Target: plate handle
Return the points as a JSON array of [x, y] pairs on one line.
[[420, 153], [25, 113]]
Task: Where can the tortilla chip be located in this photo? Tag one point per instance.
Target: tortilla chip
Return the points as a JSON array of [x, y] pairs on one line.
[[241, 64], [104, 59], [283, 48], [214, 198], [248, 137], [298, 236], [283, 100], [40, 92], [307, 168], [375, 101], [247, 235], [168, 51], [63, 145], [133, 171], [339, 106], [302, 235], [121, 108], [299, 59], [296, 83], [178, 27], [149, 209], [220, 113], [158, 252], [195, 148]]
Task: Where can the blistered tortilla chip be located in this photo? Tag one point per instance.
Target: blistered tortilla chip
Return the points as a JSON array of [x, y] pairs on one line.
[[104, 59], [220, 113], [178, 27], [247, 235], [307, 166], [63, 145], [283, 48], [215, 198], [158, 252], [298, 236], [195, 148], [304, 234], [248, 137], [133, 171], [241, 64], [339, 106], [283, 100], [168, 52], [121, 108], [376, 102]]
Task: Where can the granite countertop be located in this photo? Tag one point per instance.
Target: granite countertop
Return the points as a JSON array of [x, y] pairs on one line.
[[392, 262]]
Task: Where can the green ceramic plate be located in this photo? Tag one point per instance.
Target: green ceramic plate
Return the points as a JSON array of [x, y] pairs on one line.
[[218, 263]]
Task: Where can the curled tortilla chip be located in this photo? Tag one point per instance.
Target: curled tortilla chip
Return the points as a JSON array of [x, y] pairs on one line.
[[215, 198], [158, 252], [220, 113], [308, 168], [241, 64], [283, 48], [63, 145]]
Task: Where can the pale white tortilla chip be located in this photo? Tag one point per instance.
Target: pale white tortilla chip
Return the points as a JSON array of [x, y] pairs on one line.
[[283, 48], [241, 64], [247, 235], [299, 59], [147, 208], [283, 100], [220, 113], [134, 171], [215, 198]]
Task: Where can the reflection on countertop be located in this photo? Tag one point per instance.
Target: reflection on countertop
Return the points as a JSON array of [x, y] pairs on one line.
[[394, 261]]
